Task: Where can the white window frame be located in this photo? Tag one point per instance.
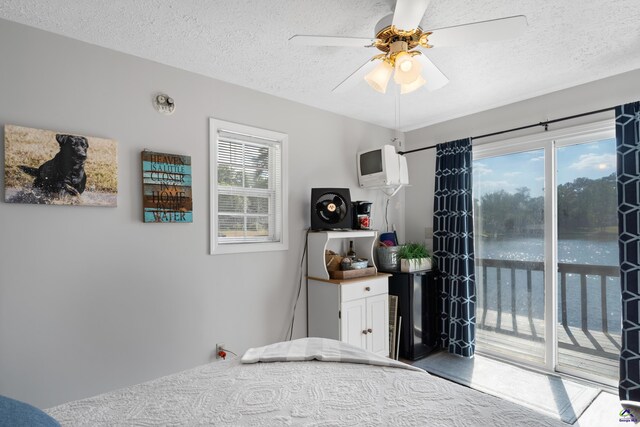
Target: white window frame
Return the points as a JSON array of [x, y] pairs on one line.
[[281, 139]]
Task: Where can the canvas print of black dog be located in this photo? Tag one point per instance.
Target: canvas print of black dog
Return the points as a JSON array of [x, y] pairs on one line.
[[64, 174], [47, 167]]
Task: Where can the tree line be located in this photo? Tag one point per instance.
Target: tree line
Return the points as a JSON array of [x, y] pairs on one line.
[[584, 205]]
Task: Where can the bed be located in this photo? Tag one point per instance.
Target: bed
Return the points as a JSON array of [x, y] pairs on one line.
[[311, 382]]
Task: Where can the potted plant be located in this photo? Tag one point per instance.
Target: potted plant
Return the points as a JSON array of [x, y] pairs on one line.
[[414, 257]]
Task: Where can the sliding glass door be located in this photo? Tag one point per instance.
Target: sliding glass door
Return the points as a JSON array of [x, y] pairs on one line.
[[588, 285], [546, 251], [509, 236]]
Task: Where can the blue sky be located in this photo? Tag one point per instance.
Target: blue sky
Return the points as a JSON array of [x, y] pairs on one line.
[[591, 160]]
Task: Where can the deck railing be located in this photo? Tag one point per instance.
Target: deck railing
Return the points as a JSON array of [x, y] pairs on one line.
[[602, 271], [511, 267]]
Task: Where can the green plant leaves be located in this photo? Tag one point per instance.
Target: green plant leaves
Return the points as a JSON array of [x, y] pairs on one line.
[[413, 251]]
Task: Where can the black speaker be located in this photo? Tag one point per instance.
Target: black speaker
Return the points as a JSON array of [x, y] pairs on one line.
[[331, 209]]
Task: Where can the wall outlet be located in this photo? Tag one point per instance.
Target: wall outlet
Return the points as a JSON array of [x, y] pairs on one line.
[[428, 232], [219, 348]]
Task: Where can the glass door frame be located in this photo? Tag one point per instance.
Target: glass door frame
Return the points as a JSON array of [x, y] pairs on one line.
[[548, 141], [607, 130]]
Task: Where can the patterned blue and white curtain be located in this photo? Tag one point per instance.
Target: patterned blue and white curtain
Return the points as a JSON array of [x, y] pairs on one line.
[[628, 149], [453, 247]]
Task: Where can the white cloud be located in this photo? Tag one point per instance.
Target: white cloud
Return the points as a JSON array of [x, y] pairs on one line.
[[536, 159], [481, 169], [594, 161], [540, 178], [511, 174]]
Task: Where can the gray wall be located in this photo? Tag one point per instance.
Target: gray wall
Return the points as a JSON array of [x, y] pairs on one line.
[[579, 99], [92, 299]]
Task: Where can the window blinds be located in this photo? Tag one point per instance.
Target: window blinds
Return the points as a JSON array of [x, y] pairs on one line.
[[249, 205]]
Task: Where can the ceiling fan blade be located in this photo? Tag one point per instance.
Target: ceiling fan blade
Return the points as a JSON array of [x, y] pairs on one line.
[[356, 77], [434, 77], [306, 40], [495, 29], [409, 13]]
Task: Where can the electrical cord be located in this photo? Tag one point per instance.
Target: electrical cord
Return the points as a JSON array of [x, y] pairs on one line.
[[386, 214], [295, 304]]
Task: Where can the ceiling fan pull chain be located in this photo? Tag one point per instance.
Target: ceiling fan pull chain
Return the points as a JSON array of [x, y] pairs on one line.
[[398, 108]]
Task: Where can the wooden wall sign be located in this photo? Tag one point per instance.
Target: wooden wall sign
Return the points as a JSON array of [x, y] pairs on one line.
[[166, 182]]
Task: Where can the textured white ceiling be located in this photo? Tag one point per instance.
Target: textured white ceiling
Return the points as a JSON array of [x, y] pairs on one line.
[[568, 42]]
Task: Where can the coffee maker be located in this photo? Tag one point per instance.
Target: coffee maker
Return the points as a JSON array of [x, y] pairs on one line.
[[361, 215]]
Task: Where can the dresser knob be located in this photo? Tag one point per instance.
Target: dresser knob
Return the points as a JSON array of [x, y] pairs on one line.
[[370, 330], [364, 332], [368, 288]]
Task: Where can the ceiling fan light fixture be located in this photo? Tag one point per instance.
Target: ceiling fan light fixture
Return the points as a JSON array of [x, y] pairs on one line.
[[379, 77], [417, 84], [407, 68]]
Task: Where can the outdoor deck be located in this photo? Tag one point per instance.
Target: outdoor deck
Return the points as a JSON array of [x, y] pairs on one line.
[[504, 328], [593, 352]]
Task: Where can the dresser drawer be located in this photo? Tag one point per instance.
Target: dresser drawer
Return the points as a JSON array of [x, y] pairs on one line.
[[364, 288]]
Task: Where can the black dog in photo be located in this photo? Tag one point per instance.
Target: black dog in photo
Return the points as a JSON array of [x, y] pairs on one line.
[[64, 174]]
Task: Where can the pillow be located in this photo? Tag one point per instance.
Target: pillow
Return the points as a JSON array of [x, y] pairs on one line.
[[322, 349], [14, 413]]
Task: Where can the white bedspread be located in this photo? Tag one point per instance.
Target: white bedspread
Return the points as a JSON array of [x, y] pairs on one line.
[[310, 393]]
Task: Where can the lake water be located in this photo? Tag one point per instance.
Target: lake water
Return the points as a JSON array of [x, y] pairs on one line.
[[593, 251]]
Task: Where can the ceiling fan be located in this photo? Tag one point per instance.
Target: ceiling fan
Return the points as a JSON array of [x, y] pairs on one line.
[[402, 42]]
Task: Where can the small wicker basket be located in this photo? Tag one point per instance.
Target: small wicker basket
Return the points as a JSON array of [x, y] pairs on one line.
[[332, 260]]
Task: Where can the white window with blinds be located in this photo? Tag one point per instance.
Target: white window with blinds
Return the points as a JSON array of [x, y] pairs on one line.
[[248, 188]]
